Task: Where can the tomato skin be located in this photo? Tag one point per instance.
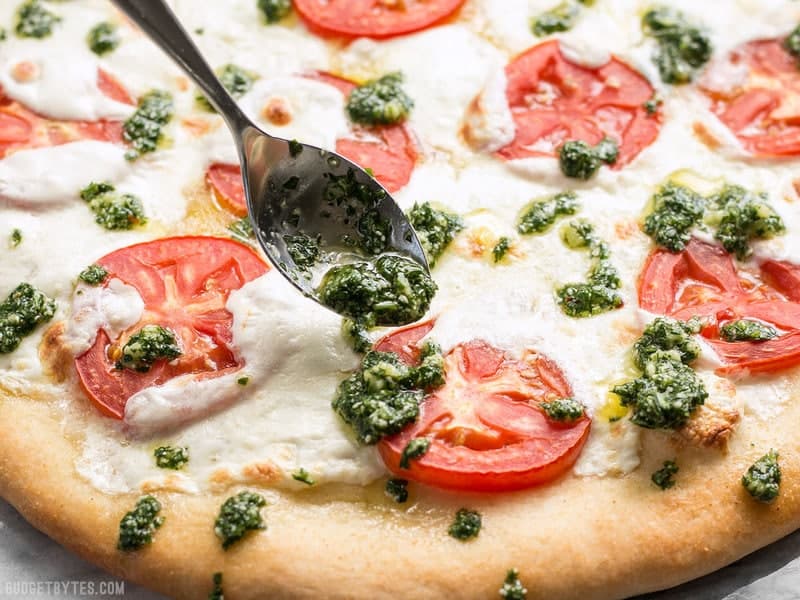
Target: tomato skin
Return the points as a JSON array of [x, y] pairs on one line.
[[367, 18], [184, 283], [487, 432], [762, 111], [702, 281], [585, 104]]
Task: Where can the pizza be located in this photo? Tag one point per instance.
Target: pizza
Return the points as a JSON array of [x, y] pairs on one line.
[[595, 392]]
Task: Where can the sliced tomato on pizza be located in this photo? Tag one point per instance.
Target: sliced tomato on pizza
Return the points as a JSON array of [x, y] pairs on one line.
[[553, 100], [703, 281], [373, 18], [486, 428], [755, 92], [21, 128], [184, 283], [390, 152]]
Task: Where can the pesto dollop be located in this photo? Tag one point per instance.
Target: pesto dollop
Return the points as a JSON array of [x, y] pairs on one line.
[[565, 410], [304, 250], [414, 450], [435, 229], [143, 130], [562, 17], [663, 478], [111, 210], [466, 525], [397, 490], [15, 239], [763, 479], [93, 275], [21, 312], [380, 101], [103, 38], [148, 345], [540, 215], [512, 587], [682, 47], [579, 160], [360, 201], [171, 457], [747, 330], [238, 515], [676, 209], [137, 527], [34, 20], [501, 248], [233, 78], [274, 10]]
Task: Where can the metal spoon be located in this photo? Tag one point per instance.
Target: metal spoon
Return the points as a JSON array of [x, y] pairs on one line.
[[291, 188]]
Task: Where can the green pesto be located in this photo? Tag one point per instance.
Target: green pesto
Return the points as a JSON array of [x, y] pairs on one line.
[[94, 190], [512, 587], [171, 457], [746, 330], [466, 525], [560, 18], [566, 410], [582, 300], [118, 212], [355, 333], [143, 130], [676, 209], [3, 34], [235, 79], [303, 476], [380, 101], [20, 313], [414, 450], [540, 215], [668, 391], [435, 229], [397, 490], [238, 515], [93, 275], [243, 380], [792, 43], [763, 479], [578, 233], [15, 239], [682, 47], [393, 290], [216, 592], [242, 230], [740, 216], [34, 20], [295, 148], [148, 345], [579, 160], [663, 477], [137, 527], [360, 201], [383, 395], [653, 104], [303, 249], [501, 248], [103, 38], [374, 232], [274, 10]]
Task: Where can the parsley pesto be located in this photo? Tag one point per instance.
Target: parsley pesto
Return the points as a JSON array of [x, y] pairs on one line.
[[34, 20], [747, 330], [148, 345], [579, 160], [466, 525], [435, 229], [274, 10], [15, 239], [384, 394], [501, 249], [238, 515], [668, 391], [21, 312], [380, 102], [360, 201], [675, 211], [235, 79], [136, 529], [512, 587], [93, 275], [663, 477], [763, 479], [103, 38], [540, 215], [397, 490], [682, 47], [565, 410], [414, 450], [171, 457], [113, 211], [143, 130], [561, 17], [304, 250]]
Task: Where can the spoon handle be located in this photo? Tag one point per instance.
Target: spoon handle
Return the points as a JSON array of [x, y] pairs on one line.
[[161, 25]]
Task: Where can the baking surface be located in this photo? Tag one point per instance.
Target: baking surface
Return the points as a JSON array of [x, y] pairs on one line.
[[27, 555]]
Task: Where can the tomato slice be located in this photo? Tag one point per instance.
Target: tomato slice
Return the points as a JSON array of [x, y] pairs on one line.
[[373, 18], [553, 100], [762, 107], [184, 283], [21, 128], [389, 151], [702, 281], [486, 429]]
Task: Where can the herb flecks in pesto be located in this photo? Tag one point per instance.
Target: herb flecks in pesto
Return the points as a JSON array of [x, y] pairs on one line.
[[668, 391], [501, 249], [380, 102], [238, 515], [136, 529], [565, 410], [242, 231], [34, 20], [359, 201], [171, 457], [15, 239], [274, 10], [562, 17], [435, 229], [792, 43], [466, 525], [235, 79], [540, 215], [747, 330], [663, 478], [676, 210], [148, 345], [93, 275], [512, 587], [599, 294], [393, 290], [303, 249], [103, 38], [383, 395], [397, 490], [143, 130], [763, 479], [579, 160], [355, 333], [414, 450], [20, 313], [303, 476], [682, 47], [216, 592]]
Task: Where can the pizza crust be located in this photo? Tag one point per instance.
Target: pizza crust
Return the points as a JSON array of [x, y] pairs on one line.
[[577, 538]]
